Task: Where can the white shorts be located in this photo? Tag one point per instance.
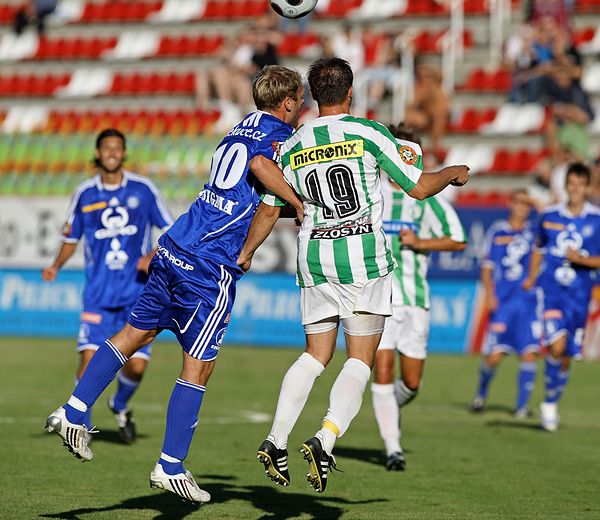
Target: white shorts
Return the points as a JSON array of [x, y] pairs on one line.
[[346, 300], [407, 331]]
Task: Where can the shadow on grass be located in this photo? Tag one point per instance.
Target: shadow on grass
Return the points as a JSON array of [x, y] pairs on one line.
[[514, 424], [504, 408], [276, 504], [113, 437], [372, 456]]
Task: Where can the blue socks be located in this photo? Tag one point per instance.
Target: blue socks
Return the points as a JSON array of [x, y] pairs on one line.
[[486, 374], [525, 382], [182, 419], [552, 378], [125, 389], [87, 416], [103, 367], [556, 379]]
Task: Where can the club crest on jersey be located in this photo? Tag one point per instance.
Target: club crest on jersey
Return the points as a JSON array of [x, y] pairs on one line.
[[408, 154], [327, 152]]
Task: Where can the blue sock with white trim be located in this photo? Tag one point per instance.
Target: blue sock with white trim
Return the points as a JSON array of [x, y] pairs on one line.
[[182, 419], [101, 370], [486, 374], [552, 371], [525, 382], [87, 416], [125, 390], [563, 379]]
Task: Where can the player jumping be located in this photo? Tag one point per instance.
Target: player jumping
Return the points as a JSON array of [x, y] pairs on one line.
[[568, 243], [514, 325], [344, 265], [115, 212], [413, 228], [192, 281]]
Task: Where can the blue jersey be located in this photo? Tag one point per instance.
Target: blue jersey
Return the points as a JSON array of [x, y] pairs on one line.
[[559, 231], [508, 252], [117, 226], [216, 225]]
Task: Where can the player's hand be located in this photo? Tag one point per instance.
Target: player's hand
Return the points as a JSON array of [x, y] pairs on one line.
[[408, 238], [528, 283], [299, 214], [462, 175], [244, 261], [49, 274], [573, 256], [143, 264]]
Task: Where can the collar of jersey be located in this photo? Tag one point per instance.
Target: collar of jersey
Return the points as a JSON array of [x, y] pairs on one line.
[[100, 184]]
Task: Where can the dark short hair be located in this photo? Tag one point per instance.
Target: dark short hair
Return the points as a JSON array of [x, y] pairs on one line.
[[405, 132], [110, 132], [330, 80], [580, 170]]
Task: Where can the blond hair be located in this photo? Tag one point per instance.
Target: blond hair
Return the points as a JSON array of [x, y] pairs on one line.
[[273, 84]]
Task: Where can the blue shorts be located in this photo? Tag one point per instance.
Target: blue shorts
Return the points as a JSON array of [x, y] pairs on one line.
[[564, 316], [98, 325], [514, 327], [188, 295]]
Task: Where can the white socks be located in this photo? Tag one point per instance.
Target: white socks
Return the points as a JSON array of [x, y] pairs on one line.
[[404, 395], [345, 400], [387, 415], [295, 389]]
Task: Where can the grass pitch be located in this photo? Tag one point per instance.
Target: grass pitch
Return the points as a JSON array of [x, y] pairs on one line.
[[458, 465]]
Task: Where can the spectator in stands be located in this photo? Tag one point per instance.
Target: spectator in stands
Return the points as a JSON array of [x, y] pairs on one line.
[[347, 44], [266, 39], [429, 110], [34, 11], [558, 10], [230, 80]]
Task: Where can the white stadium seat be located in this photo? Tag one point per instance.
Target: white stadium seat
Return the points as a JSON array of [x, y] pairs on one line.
[[87, 83]]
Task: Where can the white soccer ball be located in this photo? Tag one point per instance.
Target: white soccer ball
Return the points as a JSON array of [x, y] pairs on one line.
[[293, 8]]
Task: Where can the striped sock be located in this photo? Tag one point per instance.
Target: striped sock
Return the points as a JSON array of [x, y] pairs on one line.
[[87, 415], [101, 370], [182, 419]]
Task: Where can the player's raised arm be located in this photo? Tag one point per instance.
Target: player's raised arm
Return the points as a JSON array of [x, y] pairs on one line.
[[403, 162], [433, 182], [269, 174]]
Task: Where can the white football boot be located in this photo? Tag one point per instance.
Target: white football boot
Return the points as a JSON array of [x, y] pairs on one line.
[[550, 417], [182, 484], [76, 437]]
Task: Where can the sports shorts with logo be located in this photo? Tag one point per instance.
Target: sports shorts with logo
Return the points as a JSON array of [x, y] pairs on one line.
[[188, 295], [565, 316], [96, 325], [515, 327], [407, 331], [346, 300]]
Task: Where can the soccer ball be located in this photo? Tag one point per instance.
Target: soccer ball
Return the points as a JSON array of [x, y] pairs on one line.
[[293, 8]]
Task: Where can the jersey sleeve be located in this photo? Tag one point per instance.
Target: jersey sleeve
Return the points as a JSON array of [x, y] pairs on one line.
[[160, 216], [442, 220], [73, 227], [401, 160]]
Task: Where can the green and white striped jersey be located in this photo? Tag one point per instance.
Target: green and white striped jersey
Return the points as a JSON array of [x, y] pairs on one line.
[[334, 164], [433, 217]]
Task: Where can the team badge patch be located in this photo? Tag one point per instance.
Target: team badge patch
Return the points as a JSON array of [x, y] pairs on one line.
[[67, 228], [408, 154]]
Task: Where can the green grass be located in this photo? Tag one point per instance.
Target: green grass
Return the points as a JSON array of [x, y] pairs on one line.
[[459, 465]]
